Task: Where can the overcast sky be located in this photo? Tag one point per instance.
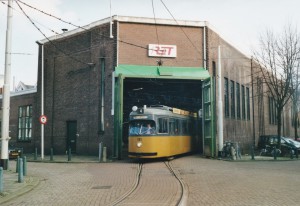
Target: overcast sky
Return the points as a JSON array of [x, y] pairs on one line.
[[238, 21]]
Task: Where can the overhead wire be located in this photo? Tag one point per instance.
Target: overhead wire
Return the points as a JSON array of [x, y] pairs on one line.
[[59, 49], [159, 62], [55, 32], [180, 27], [80, 27]]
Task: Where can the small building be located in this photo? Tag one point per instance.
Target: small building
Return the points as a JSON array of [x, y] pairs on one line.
[[21, 122]]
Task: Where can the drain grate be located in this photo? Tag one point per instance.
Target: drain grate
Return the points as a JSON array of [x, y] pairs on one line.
[[102, 187]]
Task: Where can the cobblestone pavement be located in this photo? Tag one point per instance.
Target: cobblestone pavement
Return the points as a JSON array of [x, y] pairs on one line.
[[209, 182], [158, 186], [212, 182], [77, 184]]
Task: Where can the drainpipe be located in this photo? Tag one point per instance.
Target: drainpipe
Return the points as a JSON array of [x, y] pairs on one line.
[[204, 48], [220, 103], [111, 22], [102, 95]]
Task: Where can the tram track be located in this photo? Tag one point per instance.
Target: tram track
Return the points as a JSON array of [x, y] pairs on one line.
[[183, 197], [135, 186], [179, 198]]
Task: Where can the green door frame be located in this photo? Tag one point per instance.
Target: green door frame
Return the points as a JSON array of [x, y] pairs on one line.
[[137, 71], [208, 118]]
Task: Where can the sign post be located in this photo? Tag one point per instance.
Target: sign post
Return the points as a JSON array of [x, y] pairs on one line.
[[43, 121]]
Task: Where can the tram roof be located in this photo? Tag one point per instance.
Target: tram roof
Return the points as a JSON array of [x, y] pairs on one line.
[[163, 110]]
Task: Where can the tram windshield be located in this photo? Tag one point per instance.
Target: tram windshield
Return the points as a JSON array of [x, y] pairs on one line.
[[142, 127]]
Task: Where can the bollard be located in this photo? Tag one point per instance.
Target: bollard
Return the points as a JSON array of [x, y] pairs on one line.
[[17, 164], [100, 151], [69, 154], [35, 154], [8, 164], [296, 153], [20, 172], [104, 154], [51, 154], [24, 166], [252, 153], [291, 153], [1, 179]]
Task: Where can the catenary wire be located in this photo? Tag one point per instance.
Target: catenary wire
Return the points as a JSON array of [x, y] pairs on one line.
[[80, 27], [69, 55], [180, 27]]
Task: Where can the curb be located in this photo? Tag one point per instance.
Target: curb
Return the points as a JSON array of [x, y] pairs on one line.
[[30, 183]]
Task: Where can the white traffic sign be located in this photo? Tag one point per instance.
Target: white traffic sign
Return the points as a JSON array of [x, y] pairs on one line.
[[43, 119]]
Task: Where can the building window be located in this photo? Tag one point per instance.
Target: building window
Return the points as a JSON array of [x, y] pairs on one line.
[[243, 103], [248, 103], [232, 99], [226, 97], [238, 101], [25, 123]]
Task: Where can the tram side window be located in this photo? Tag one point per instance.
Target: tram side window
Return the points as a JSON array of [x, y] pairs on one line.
[[191, 127], [177, 126], [163, 125], [171, 126], [184, 127]]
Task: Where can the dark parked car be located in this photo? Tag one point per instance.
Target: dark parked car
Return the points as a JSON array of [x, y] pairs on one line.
[[13, 152], [267, 143]]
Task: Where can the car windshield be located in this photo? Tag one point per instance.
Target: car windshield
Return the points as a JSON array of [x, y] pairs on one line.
[[144, 127], [295, 143]]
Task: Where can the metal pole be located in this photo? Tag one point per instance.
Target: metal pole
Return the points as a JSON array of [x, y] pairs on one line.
[[42, 97], [42, 104], [220, 103], [253, 143], [6, 90]]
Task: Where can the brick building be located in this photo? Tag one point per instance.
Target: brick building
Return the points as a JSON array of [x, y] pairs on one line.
[[91, 81]]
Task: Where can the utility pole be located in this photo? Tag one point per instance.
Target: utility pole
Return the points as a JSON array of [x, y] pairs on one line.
[[6, 91]]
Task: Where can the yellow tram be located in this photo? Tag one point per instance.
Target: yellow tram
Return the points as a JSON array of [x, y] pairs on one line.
[[160, 131]]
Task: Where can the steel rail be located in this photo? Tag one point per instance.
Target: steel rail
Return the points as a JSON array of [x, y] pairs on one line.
[[184, 194], [129, 192]]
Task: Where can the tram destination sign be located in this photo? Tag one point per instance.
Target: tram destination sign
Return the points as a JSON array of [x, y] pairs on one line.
[[159, 50]]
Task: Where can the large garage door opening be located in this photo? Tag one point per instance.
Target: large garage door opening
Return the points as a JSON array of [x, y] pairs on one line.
[[175, 93], [185, 88]]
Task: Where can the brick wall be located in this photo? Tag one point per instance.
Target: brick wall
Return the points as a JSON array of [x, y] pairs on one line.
[[72, 90]]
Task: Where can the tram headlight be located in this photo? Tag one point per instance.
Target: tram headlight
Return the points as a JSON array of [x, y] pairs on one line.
[[134, 108], [139, 144]]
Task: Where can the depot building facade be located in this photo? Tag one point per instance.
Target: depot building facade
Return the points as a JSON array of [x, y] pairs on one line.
[[91, 77]]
